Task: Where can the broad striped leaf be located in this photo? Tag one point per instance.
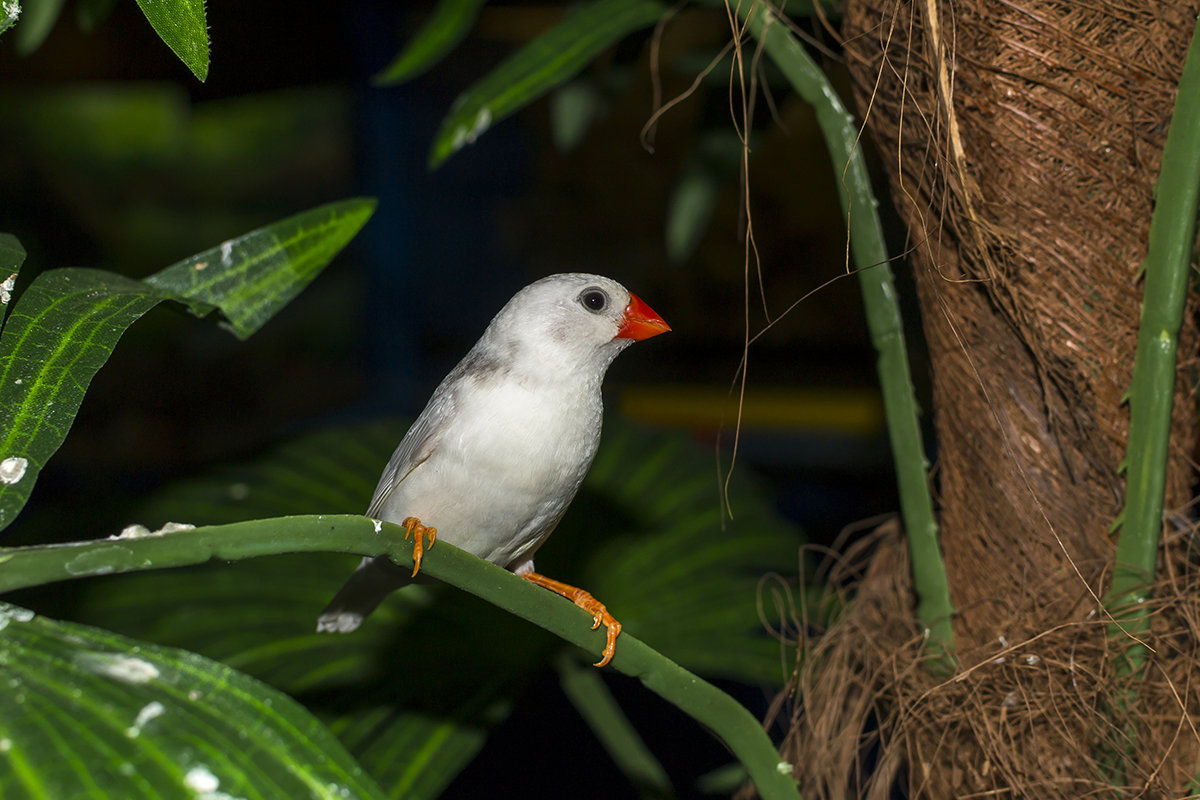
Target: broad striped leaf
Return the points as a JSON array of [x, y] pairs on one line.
[[66, 324], [182, 26], [449, 23], [36, 21], [252, 277], [550, 60], [89, 714]]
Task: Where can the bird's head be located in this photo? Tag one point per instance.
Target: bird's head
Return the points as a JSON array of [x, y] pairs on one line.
[[573, 319]]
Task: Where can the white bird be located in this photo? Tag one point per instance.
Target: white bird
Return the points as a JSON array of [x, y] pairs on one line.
[[497, 455]]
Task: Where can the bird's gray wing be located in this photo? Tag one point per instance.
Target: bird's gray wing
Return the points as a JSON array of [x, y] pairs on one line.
[[417, 445]]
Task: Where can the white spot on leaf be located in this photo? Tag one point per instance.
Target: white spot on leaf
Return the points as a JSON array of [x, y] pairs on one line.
[[199, 779], [126, 669], [149, 711], [6, 288], [133, 532], [12, 469], [378, 526], [227, 253]]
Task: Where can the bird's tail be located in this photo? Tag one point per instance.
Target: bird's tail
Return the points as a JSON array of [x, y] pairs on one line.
[[374, 580]]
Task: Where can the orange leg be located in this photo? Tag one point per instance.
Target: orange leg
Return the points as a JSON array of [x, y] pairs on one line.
[[579, 597], [419, 532]]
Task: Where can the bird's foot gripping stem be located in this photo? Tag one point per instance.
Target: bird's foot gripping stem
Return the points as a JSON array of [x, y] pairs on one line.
[[584, 600], [420, 533]]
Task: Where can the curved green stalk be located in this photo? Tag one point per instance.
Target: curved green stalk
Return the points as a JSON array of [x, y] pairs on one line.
[[1152, 392], [1151, 396], [22, 567], [934, 608]]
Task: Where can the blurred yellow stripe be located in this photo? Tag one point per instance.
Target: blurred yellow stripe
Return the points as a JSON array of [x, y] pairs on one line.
[[854, 411]]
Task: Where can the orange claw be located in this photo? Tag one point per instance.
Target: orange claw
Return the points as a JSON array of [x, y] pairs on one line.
[[419, 532], [584, 600]]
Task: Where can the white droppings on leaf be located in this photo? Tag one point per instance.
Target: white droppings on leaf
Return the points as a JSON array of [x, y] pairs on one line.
[[137, 531], [200, 780], [126, 669], [464, 135], [378, 526], [152, 710], [14, 614], [227, 253], [134, 531], [12, 469], [18, 381], [6, 288]]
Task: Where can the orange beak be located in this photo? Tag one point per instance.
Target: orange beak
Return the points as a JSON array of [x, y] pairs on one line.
[[641, 321]]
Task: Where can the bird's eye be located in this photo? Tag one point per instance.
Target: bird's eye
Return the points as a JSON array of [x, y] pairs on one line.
[[593, 300]]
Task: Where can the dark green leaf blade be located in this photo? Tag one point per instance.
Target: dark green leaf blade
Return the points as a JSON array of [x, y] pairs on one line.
[[8, 16], [57, 337], [68, 321], [548, 61], [12, 256], [253, 276], [182, 27], [39, 19], [449, 23], [88, 713]]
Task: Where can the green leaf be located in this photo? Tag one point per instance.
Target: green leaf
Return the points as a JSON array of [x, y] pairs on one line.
[[12, 256], [88, 713], [66, 324], [449, 23], [39, 19], [689, 212], [60, 333], [90, 13], [9, 13], [550, 60], [181, 25], [573, 108], [252, 277]]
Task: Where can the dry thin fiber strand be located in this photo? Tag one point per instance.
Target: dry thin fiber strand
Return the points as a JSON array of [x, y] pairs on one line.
[[1022, 141]]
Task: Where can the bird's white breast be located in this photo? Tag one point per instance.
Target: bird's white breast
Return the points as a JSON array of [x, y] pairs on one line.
[[505, 468]]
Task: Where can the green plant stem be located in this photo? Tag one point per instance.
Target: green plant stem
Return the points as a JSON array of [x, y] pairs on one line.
[[1151, 397], [22, 567], [1152, 392], [591, 697], [934, 609]]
